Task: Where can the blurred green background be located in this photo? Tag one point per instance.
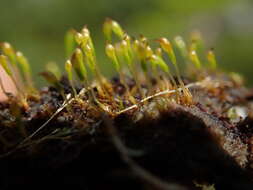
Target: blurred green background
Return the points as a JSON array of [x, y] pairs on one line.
[[37, 27]]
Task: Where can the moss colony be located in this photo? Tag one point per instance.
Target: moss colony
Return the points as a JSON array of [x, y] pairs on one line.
[[150, 127]]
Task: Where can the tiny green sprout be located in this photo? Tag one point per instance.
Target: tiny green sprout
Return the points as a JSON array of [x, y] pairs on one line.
[[9, 51], [195, 59], [51, 78], [78, 64], [70, 42], [111, 26], [110, 52], [54, 68], [211, 59], [68, 68], [4, 64], [25, 67], [180, 44]]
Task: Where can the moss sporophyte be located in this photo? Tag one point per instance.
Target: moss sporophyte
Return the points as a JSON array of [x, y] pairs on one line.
[[142, 71], [168, 99]]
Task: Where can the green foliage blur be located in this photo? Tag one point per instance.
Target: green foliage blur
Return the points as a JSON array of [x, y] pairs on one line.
[[37, 27]]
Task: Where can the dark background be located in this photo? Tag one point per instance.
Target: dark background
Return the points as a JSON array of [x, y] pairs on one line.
[[37, 27]]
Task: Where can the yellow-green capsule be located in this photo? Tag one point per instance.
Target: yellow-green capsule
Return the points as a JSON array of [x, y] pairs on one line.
[[158, 52], [110, 52], [68, 68], [111, 26], [78, 64], [167, 47], [197, 41], [107, 29], [24, 65], [87, 39], [9, 51], [116, 28], [4, 63], [90, 57], [79, 38], [180, 44], [195, 59], [156, 60], [70, 42], [211, 59]]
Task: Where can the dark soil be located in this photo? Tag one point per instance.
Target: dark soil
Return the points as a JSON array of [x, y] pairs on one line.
[[83, 148]]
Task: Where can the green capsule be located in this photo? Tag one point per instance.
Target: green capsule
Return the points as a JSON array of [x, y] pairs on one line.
[[111, 26], [24, 65], [167, 47], [78, 64], [156, 60], [211, 59], [195, 59], [70, 42], [68, 69], [180, 44], [4, 63], [110, 52], [9, 51]]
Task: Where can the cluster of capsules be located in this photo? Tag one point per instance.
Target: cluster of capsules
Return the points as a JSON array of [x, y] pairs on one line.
[[152, 70]]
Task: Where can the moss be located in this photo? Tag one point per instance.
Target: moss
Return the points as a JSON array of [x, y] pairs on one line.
[[147, 128]]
